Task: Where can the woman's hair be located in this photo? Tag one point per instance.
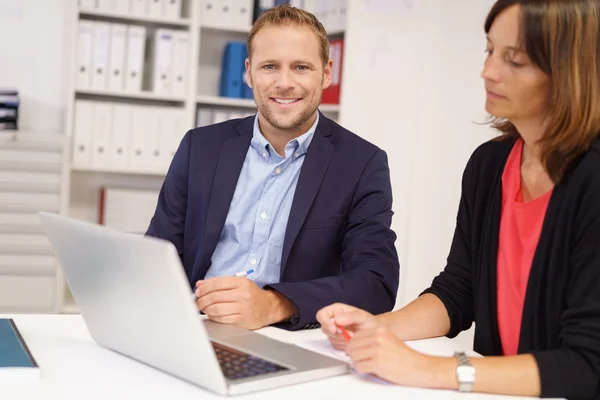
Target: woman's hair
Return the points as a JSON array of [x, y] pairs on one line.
[[562, 38], [285, 15]]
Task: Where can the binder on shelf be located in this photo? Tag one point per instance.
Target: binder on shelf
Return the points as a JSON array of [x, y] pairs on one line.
[[136, 39], [261, 6], [121, 7], [175, 128], [155, 8], [331, 95], [180, 62], [116, 61], [208, 10], [156, 128], [101, 126], [138, 8], [126, 210], [247, 92], [84, 54], [139, 144], [233, 70], [242, 13], [100, 48], [160, 60], [204, 117], [16, 360], [224, 15], [172, 9], [82, 135], [220, 115], [120, 137]]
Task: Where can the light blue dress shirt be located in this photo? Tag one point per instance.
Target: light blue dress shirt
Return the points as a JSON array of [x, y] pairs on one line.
[[253, 234]]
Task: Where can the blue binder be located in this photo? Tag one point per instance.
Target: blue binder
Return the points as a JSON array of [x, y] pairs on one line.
[[14, 352], [232, 70]]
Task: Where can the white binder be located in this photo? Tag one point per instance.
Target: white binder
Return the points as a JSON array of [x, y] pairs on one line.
[[208, 11], [180, 62], [139, 8], [161, 58], [156, 128], [225, 15], [122, 7], [82, 134], [155, 8], [175, 128], [120, 137], [172, 9], [101, 126], [84, 54], [220, 115], [136, 39], [118, 37], [204, 117], [138, 148], [100, 55], [242, 13]]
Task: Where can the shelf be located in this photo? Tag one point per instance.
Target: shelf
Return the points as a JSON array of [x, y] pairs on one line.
[[235, 29], [133, 18], [69, 308], [226, 101], [135, 96], [249, 103], [120, 171]]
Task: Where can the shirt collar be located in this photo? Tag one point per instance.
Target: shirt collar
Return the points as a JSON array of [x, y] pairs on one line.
[[299, 145]]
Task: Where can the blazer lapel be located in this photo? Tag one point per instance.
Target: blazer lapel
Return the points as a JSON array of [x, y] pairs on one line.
[[313, 170], [229, 166]]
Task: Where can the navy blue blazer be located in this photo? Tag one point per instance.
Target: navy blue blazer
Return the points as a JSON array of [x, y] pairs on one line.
[[338, 245]]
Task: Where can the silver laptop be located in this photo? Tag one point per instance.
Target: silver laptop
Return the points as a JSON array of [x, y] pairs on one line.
[[135, 299]]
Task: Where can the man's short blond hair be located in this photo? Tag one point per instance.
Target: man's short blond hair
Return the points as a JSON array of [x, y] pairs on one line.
[[283, 15]]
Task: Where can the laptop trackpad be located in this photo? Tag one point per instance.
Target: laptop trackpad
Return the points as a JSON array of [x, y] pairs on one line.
[[217, 330]]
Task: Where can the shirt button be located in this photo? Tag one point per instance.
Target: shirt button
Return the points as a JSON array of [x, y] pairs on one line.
[[252, 262], [277, 171], [265, 154], [297, 155], [263, 215]]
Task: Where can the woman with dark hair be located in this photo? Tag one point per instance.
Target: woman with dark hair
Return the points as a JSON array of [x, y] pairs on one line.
[[524, 263]]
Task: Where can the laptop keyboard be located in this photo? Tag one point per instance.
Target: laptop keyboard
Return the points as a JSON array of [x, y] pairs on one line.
[[238, 365]]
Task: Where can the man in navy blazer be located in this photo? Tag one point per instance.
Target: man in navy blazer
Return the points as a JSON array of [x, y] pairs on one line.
[[301, 202]]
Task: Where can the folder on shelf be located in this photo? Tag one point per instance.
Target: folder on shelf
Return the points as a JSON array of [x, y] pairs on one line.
[[101, 126], [160, 60], [138, 8], [16, 360], [116, 60], [155, 8], [122, 7], [180, 62], [331, 95], [224, 15], [139, 144], [220, 115], [207, 12], [233, 70], [261, 6], [127, 209], [204, 117], [82, 134], [120, 137], [172, 9], [84, 54], [175, 122], [136, 39], [156, 126], [100, 49], [242, 13]]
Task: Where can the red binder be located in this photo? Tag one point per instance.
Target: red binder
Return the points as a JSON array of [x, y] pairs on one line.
[[331, 95]]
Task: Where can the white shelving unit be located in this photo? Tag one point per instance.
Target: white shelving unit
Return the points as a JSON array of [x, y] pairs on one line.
[[206, 43]]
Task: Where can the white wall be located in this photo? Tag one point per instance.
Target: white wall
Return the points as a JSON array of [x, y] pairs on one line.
[[412, 85], [33, 59]]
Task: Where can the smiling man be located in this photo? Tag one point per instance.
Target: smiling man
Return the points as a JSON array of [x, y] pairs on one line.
[[302, 204]]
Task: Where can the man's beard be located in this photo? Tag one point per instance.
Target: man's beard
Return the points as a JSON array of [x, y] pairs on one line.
[[294, 124]]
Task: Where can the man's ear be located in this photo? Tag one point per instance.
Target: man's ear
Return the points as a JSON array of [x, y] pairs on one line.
[[248, 76], [327, 74]]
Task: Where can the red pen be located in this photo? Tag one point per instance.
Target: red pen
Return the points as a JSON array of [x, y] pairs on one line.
[[345, 333]]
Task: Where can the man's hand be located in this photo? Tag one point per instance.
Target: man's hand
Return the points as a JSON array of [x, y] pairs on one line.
[[238, 301]]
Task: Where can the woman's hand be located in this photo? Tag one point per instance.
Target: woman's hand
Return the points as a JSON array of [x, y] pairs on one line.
[[379, 352], [350, 318]]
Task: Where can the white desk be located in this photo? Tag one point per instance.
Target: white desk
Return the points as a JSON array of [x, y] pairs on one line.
[[74, 367]]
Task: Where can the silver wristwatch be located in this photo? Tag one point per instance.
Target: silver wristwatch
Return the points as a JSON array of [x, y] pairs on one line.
[[465, 372]]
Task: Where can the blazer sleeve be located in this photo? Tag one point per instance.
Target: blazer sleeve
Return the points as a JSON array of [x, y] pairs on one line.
[[453, 286], [370, 266], [168, 221], [573, 369]]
